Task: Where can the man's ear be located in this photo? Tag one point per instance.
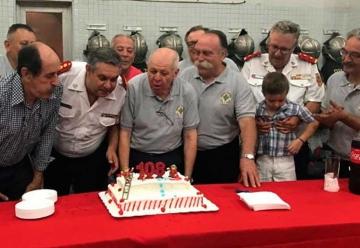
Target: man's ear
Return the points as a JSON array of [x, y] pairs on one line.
[[6, 45], [177, 71], [25, 73]]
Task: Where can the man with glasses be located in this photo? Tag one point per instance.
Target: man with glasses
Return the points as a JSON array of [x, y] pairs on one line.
[[159, 116], [87, 132], [306, 87], [341, 105], [191, 37]]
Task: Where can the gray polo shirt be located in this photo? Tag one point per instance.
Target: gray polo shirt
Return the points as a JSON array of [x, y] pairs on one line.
[[342, 92], [156, 125], [221, 104], [186, 63], [5, 67]]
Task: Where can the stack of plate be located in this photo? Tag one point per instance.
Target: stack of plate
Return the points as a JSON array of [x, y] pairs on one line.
[[36, 204]]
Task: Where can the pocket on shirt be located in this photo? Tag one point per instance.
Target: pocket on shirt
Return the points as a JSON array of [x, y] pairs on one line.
[[107, 121], [65, 112], [297, 90]]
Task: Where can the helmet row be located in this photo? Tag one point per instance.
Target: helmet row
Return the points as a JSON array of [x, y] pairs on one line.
[[241, 45]]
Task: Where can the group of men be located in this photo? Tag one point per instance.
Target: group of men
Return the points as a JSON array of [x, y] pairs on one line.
[[199, 115]]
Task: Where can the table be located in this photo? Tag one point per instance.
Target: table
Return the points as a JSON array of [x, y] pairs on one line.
[[317, 219]]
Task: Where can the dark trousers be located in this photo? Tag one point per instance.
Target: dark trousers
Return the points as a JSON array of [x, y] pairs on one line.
[[169, 158], [15, 178], [84, 174], [302, 160], [219, 165]]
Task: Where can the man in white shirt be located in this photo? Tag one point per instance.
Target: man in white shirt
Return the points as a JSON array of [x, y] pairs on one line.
[[90, 109]]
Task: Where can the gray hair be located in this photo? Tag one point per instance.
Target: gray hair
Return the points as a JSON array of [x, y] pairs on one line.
[[103, 55], [121, 36], [354, 33], [286, 27]]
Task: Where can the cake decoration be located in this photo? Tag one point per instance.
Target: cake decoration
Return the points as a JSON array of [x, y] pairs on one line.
[[153, 189]]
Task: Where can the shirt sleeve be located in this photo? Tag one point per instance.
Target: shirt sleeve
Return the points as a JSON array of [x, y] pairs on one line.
[[191, 113], [245, 104], [305, 115], [41, 155], [127, 112], [316, 91]]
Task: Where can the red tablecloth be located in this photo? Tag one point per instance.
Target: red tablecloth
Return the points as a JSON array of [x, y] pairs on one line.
[[317, 219]]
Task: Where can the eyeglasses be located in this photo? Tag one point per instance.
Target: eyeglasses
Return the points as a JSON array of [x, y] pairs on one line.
[[282, 50], [352, 55], [163, 114]]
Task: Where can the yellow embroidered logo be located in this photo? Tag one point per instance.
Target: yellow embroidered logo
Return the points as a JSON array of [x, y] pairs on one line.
[[225, 98], [179, 111]]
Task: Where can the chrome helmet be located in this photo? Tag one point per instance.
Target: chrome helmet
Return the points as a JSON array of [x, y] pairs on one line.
[[242, 44], [95, 41], [171, 40], [310, 46], [332, 47], [141, 48]]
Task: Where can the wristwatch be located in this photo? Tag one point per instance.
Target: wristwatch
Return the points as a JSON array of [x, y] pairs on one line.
[[248, 156]]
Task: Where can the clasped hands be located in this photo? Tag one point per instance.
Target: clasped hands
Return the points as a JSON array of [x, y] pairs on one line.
[[331, 115]]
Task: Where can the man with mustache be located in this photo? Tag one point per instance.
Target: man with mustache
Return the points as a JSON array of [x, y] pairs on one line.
[[341, 105], [124, 46], [159, 117], [191, 37], [87, 132], [29, 99], [226, 107], [306, 87]]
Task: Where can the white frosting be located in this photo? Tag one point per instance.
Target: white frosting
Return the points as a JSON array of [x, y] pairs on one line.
[[156, 194]]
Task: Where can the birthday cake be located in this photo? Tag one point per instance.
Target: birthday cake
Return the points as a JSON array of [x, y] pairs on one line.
[[157, 191]]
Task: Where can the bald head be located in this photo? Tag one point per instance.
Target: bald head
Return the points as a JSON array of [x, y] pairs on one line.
[[162, 66], [35, 56], [166, 56]]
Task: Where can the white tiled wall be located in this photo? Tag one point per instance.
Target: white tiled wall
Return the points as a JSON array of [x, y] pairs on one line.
[[254, 15]]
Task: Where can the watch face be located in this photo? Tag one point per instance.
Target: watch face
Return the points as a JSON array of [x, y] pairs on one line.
[[249, 156]]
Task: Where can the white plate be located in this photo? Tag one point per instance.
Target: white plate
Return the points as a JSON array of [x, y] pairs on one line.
[[40, 194], [114, 210], [34, 209]]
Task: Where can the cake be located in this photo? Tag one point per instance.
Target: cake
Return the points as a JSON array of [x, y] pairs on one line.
[[153, 192]]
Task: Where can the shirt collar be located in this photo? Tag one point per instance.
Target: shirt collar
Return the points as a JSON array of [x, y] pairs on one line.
[[220, 78], [17, 89], [78, 83], [175, 88], [266, 62]]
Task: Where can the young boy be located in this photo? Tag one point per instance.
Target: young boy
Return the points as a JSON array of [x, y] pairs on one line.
[[276, 149]]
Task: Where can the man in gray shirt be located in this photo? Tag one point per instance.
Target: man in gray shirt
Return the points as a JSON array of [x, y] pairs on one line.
[[29, 103], [341, 106], [160, 113], [18, 36], [226, 105]]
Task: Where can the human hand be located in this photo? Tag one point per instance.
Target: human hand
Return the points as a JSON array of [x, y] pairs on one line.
[[330, 116], [294, 146], [36, 183], [262, 125], [249, 175], [113, 160], [288, 124]]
